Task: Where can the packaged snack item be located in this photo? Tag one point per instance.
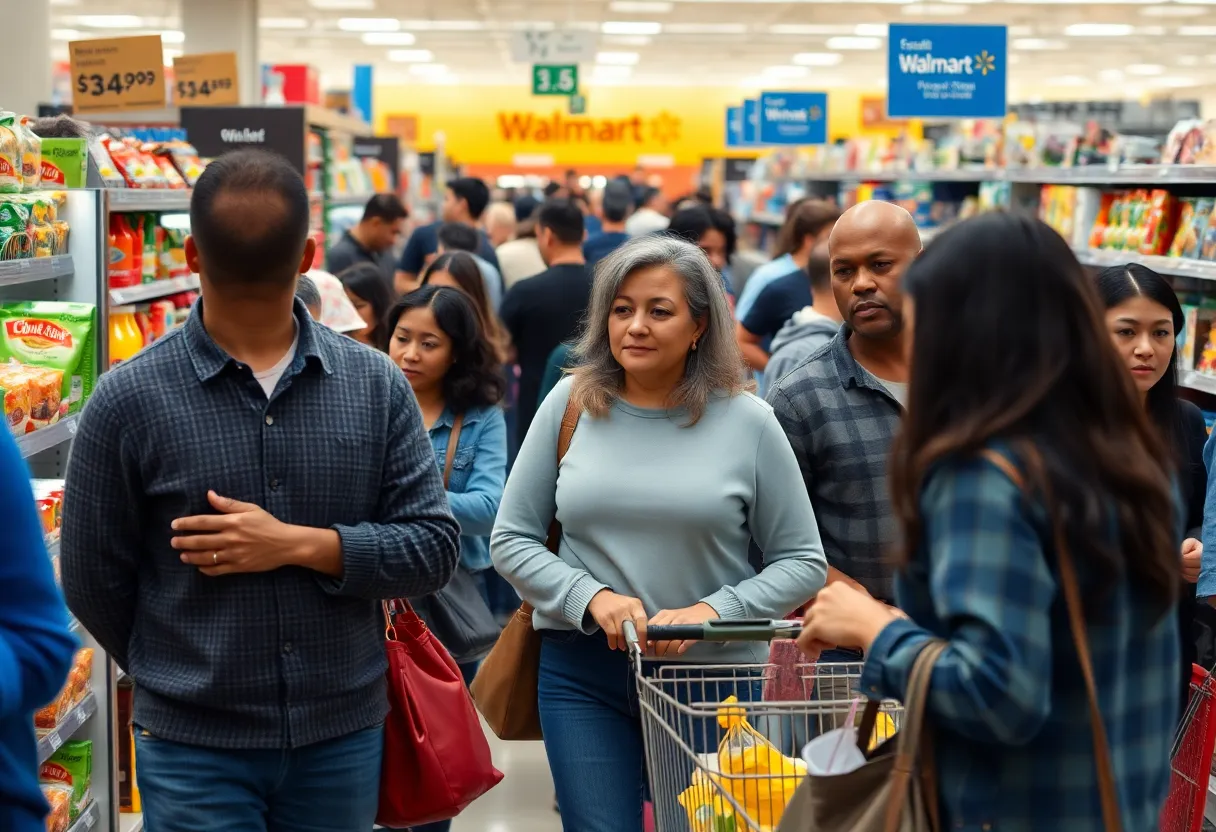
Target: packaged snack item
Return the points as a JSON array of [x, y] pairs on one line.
[[1186, 219], [15, 242], [16, 390], [71, 768], [1160, 223], [106, 169], [1207, 245], [48, 496], [60, 799], [1193, 237], [74, 690], [174, 254], [31, 156], [54, 336], [11, 181], [64, 163]]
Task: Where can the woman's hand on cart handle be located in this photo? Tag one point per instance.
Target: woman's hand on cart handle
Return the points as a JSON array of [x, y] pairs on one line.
[[611, 610], [697, 614]]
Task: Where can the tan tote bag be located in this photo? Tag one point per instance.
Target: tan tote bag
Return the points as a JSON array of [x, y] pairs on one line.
[[504, 689], [896, 790]]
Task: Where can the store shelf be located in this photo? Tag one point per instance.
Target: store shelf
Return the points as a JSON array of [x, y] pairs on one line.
[[47, 438], [131, 822], [152, 291], [1198, 381], [1087, 175], [49, 742], [349, 199], [13, 272], [88, 819], [136, 199], [1178, 266]]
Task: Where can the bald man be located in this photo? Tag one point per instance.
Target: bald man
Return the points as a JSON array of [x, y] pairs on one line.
[[841, 406]]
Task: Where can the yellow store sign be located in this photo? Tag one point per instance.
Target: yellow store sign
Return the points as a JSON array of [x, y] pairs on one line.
[[494, 125]]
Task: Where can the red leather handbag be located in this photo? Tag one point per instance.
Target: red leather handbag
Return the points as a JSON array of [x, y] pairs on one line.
[[436, 758]]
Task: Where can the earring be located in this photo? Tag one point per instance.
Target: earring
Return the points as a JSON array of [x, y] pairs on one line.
[[694, 346]]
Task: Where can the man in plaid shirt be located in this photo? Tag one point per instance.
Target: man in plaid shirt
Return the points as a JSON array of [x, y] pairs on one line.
[[240, 497]]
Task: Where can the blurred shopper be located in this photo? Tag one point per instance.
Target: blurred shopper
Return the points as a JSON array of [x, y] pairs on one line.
[[454, 236], [459, 270], [372, 239], [543, 311], [337, 311], [464, 201], [672, 471], [500, 223], [239, 500], [369, 292], [309, 295], [520, 258], [572, 184], [808, 222], [1078, 463], [711, 230], [1143, 317], [652, 215], [36, 647], [812, 326], [841, 409], [616, 205], [437, 341]]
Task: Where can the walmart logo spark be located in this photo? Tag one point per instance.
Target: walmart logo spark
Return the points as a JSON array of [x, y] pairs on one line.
[[985, 62]]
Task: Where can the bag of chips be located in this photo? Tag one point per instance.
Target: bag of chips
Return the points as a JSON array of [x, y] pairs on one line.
[[71, 768]]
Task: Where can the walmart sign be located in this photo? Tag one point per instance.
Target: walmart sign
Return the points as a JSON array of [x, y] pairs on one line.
[[947, 71], [793, 118]]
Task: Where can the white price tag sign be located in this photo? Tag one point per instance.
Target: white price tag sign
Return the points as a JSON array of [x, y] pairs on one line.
[[90, 819], [55, 740]]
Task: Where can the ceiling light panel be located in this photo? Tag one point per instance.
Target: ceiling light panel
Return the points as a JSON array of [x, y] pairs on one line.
[[809, 29], [640, 6], [66, 34], [854, 43], [284, 23], [628, 27], [1099, 30], [625, 40], [343, 5], [428, 69], [818, 58], [410, 56], [1145, 69], [369, 24], [110, 21], [871, 30], [1197, 31], [388, 38], [705, 28], [443, 25], [785, 72], [1038, 44]]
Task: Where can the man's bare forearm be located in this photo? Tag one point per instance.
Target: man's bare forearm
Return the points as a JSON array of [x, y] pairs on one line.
[[317, 549]]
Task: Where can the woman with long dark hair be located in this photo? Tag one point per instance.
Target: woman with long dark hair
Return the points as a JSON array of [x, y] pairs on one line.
[[1022, 424], [1143, 317], [459, 270], [370, 292]]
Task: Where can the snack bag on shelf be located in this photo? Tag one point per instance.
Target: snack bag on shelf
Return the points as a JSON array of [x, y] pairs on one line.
[[11, 180], [1097, 234], [55, 340], [31, 155], [1207, 359], [1193, 237], [110, 175], [15, 240], [71, 768], [48, 496], [74, 690], [1207, 240], [1185, 231], [187, 161], [1160, 223], [17, 391], [65, 163], [60, 799]]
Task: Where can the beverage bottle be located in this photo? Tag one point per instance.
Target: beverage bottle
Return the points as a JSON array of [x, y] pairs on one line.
[[121, 268], [148, 269]]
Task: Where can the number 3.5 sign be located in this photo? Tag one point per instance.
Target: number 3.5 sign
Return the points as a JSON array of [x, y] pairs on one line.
[[554, 80]]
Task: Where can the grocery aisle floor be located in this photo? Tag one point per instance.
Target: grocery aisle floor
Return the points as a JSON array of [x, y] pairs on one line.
[[523, 801]]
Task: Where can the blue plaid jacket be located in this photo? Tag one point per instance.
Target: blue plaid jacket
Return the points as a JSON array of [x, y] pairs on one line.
[[277, 659], [1013, 742]]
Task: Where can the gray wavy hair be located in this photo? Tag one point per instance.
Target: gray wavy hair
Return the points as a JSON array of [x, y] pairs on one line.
[[715, 368]]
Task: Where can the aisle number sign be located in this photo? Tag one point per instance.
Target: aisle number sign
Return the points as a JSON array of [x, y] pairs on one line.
[[115, 74], [799, 118], [734, 127], [554, 79], [947, 71], [206, 80]]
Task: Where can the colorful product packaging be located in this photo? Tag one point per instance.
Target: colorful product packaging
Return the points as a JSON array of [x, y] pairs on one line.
[[70, 769], [65, 163], [47, 361]]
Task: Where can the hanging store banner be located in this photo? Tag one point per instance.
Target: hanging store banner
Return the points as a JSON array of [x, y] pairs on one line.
[[734, 127], [751, 121], [798, 118], [947, 71], [114, 74]]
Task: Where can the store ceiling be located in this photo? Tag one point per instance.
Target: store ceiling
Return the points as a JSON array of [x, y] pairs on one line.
[[1078, 50]]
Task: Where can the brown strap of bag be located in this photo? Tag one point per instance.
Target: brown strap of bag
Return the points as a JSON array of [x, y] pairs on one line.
[[453, 440], [911, 735], [1076, 622]]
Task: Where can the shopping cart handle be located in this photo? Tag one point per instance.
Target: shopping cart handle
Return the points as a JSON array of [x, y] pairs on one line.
[[731, 629]]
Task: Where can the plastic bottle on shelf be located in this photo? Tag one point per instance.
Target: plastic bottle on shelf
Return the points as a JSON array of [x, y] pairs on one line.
[[143, 320], [121, 271], [125, 337], [136, 224], [149, 262]]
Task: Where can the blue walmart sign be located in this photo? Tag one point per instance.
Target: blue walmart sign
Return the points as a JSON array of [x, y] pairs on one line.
[[793, 118], [734, 127], [751, 121], [947, 71]]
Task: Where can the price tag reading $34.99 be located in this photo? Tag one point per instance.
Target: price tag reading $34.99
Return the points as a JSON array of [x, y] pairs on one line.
[[115, 74]]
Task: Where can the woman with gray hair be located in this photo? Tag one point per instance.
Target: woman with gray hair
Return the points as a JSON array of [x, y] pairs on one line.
[[673, 469]]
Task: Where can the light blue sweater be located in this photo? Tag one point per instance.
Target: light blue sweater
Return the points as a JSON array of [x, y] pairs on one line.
[[662, 512]]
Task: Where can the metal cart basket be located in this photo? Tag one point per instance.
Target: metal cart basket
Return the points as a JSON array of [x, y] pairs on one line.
[[693, 787]]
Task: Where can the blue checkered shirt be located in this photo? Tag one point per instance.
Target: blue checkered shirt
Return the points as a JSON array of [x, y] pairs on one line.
[[840, 421], [271, 660], [1013, 742]]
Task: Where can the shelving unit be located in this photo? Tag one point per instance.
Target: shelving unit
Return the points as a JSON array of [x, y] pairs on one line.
[[50, 742], [89, 818], [154, 290], [50, 437], [13, 272]]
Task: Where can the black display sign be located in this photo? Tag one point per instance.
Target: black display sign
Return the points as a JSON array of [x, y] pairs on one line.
[[385, 148], [738, 170], [426, 164], [215, 131]]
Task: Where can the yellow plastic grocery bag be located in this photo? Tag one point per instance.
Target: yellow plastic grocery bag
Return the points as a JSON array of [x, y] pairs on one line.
[[752, 770]]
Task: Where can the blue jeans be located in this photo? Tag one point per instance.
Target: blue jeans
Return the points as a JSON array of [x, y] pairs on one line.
[[590, 716], [331, 786]]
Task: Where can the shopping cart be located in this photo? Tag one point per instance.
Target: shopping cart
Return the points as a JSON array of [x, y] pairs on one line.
[[693, 787], [1191, 758]]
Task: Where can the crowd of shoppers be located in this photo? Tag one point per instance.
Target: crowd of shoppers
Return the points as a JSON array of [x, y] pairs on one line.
[[983, 409]]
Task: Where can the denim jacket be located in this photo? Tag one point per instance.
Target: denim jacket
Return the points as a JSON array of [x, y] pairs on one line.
[[479, 473]]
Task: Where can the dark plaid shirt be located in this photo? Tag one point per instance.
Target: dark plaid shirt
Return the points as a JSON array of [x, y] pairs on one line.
[[271, 660], [841, 420]]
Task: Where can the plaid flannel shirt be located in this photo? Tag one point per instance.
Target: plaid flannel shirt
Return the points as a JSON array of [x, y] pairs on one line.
[[840, 421], [1007, 701], [275, 659]]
